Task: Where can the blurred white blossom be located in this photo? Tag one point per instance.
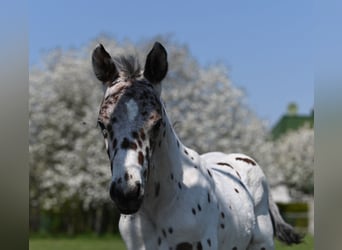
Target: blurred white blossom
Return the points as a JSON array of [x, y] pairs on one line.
[[289, 161]]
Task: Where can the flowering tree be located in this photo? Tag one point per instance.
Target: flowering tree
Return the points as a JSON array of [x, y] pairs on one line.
[[210, 114], [289, 161], [64, 150]]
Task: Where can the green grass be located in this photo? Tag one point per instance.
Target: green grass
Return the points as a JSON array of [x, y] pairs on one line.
[[76, 243], [115, 243], [307, 244]]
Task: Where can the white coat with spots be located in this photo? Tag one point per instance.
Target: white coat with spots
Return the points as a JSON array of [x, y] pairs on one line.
[[169, 196]]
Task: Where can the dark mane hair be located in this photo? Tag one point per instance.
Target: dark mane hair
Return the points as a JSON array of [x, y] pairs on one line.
[[128, 65]]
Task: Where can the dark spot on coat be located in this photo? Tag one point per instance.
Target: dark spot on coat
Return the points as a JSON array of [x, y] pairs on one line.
[[164, 232], [209, 173], [170, 230], [222, 215], [142, 134], [179, 185], [224, 164], [249, 161], [234, 248], [238, 174], [125, 143], [222, 225], [236, 190], [135, 135], [126, 176], [159, 241], [199, 207], [186, 152], [199, 246], [193, 211], [208, 198], [140, 158], [133, 146], [209, 242], [184, 246]]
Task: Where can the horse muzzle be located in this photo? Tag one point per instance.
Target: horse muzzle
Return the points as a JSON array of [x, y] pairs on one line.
[[127, 201]]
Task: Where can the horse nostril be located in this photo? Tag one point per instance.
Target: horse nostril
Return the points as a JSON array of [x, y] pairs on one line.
[[137, 189]]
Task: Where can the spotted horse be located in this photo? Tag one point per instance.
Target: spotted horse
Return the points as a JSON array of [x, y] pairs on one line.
[[169, 196]]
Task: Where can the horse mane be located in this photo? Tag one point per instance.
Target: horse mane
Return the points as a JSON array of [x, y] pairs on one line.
[[128, 65]]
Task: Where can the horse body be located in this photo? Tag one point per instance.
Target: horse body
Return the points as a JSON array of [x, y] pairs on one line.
[[245, 177], [169, 196], [214, 209]]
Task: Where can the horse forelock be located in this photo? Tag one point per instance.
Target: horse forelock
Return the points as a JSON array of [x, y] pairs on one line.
[[128, 66]]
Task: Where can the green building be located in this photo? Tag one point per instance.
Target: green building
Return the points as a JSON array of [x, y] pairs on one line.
[[291, 121]]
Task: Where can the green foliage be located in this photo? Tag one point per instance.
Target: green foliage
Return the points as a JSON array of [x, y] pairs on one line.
[[291, 123], [299, 207], [296, 214]]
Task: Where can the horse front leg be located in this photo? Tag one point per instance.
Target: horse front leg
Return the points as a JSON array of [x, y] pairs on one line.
[[138, 233]]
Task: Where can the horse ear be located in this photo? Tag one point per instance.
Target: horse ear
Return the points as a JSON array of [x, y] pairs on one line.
[[103, 65], [156, 64]]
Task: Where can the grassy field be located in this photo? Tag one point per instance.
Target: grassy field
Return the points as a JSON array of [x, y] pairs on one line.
[[115, 243], [77, 243]]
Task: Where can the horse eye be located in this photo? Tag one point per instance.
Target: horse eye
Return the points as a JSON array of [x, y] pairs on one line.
[[156, 126], [101, 125], [154, 132]]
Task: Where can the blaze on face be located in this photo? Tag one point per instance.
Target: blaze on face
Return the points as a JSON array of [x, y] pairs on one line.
[[130, 116]]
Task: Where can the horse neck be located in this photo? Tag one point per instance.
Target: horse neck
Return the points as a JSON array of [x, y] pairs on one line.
[[169, 160]]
